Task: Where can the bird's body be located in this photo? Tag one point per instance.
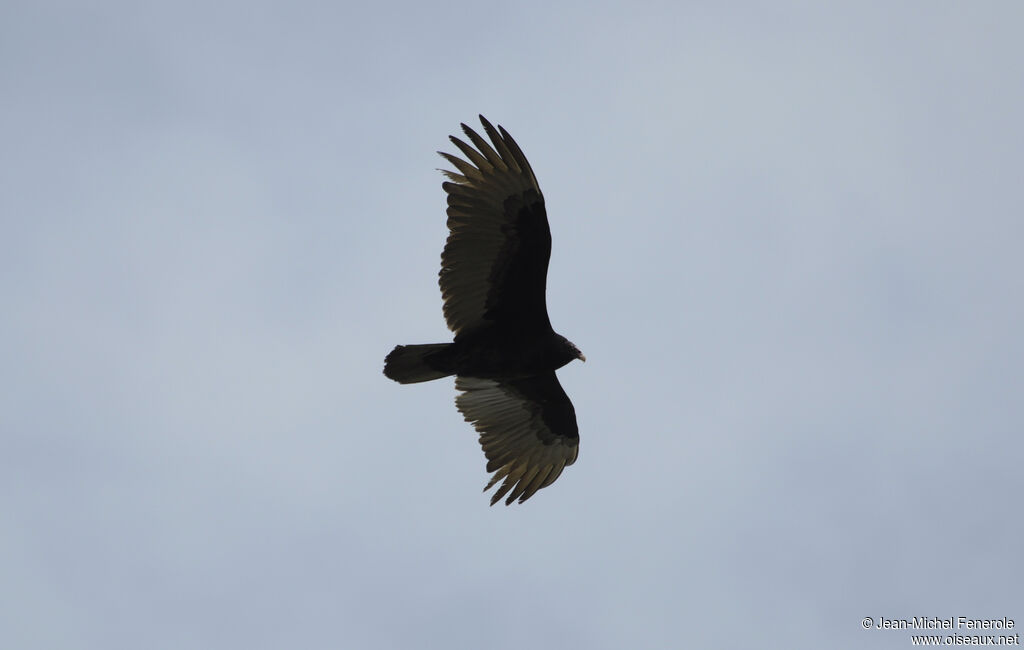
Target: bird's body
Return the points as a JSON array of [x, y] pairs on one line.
[[493, 281], [495, 351]]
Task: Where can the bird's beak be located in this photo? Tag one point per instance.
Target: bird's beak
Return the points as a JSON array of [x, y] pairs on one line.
[[583, 358]]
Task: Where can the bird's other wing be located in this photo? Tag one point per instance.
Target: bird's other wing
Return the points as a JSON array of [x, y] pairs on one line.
[[527, 430], [495, 263]]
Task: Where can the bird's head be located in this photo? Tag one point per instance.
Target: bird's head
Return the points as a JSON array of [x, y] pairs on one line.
[[562, 351], [576, 352]]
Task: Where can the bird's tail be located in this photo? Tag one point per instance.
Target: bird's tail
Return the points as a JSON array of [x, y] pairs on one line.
[[409, 364]]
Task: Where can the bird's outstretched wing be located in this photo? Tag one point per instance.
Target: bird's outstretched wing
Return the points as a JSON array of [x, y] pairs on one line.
[[495, 263], [527, 430]]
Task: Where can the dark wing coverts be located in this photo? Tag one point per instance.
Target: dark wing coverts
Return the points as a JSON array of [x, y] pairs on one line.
[[527, 429], [494, 265]]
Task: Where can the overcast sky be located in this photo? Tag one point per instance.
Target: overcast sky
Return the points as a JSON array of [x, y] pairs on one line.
[[787, 236]]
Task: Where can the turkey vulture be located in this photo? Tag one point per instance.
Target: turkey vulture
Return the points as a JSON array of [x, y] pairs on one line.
[[493, 273]]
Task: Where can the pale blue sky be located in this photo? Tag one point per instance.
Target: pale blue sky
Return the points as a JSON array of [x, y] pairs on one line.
[[787, 237]]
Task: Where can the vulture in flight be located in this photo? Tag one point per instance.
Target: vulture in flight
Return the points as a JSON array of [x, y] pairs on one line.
[[493, 274]]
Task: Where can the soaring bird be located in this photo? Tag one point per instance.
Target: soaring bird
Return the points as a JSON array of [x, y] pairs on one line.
[[493, 279]]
